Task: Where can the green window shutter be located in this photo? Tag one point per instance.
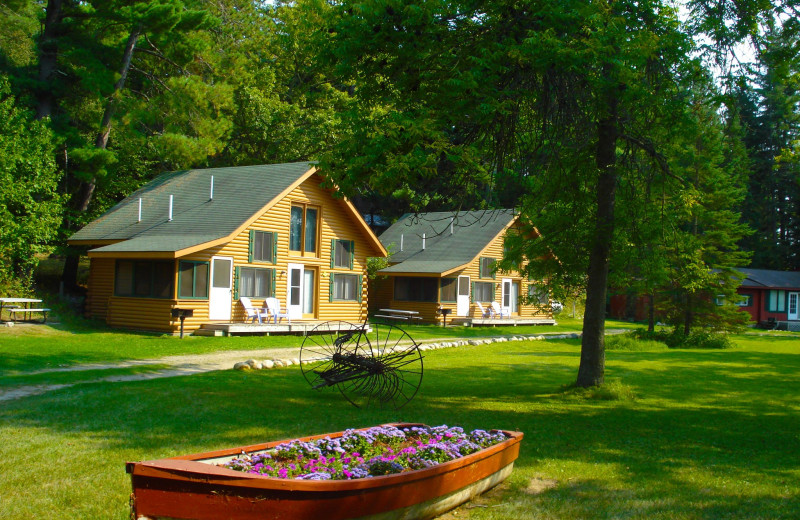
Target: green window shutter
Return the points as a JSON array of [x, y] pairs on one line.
[[250, 246], [274, 251], [352, 253], [272, 283], [330, 289], [480, 267], [360, 287], [472, 292], [494, 269], [236, 281], [333, 253], [494, 290]]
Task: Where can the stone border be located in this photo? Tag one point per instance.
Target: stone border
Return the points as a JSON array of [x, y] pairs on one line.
[[252, 364]]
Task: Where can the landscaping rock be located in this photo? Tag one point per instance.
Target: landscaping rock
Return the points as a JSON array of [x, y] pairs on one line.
[[242, 365], [296, 361], [9, 324], [278, 362], [267, 363]]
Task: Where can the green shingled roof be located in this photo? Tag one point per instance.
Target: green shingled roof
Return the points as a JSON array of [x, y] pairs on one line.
[[471, 232], [239, 193]]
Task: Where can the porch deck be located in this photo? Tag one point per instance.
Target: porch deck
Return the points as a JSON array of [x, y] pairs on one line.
[[265, 329], [505, 322]]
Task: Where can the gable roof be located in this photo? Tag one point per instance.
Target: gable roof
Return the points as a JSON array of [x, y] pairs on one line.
[[445, 251], [768, 279], [240, 195]]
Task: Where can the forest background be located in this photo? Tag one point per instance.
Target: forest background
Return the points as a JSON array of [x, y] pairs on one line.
[[637, 147]]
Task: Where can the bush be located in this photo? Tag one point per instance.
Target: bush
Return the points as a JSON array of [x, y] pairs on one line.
[[703, 339], [631, 341]]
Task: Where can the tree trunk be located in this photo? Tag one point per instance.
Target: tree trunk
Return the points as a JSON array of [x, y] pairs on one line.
[[48, 58], [688, 316], [81, 200], [651, 313], [86, 190], [591, 371]]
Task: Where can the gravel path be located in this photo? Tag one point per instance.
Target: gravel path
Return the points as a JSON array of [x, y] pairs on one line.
[[190, 364]]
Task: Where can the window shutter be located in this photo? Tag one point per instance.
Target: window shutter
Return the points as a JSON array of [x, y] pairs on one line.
[[250, 246], [472, 292], [236, 280], [274, 251], [360, 287], [352, 253], [480, 267], [494, 269], [494, 290], [333, 254], [330, 289], [272, 283]]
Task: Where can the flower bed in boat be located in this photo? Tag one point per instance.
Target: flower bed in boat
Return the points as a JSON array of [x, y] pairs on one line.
[[377, 451], [199, 487]]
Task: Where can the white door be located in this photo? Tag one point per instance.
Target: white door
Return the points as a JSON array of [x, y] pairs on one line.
[[515, 297], [220, 297], [505, 296], [792, 307], [308, 292], [294, 296], [462, 298]]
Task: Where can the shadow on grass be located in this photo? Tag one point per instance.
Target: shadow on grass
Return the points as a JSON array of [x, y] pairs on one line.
[[711, 435]]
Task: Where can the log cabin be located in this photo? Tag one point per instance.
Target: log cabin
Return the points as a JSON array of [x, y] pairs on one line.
[[201, 239], [447, 261]]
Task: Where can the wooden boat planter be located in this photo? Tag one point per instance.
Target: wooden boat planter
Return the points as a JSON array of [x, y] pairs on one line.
[[195, 487]]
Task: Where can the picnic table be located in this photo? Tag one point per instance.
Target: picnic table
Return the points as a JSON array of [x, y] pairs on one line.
[[24, 306], [398, 314]]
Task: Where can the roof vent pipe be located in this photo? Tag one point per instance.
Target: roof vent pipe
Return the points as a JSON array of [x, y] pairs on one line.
[[170, 208], [451, 224], [140, 210], [401, 242], [423, 241], [211, 195]]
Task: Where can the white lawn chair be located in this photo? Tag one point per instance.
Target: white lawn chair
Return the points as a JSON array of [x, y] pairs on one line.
[[500, 311], [274, 309], [485, 313], [251, 313]]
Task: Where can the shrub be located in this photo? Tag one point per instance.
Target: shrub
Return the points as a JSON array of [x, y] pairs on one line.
[[634, 342]]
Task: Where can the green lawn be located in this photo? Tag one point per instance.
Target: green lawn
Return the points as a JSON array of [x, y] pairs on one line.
[[683, 434], [26, 348]]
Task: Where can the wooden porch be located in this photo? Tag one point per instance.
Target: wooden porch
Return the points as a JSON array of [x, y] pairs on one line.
[[265, 329], [504, 322]]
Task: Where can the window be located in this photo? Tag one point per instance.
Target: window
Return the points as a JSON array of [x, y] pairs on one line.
[[486, 267], [144, 279], [262, 246], [449, 286], [746, 300], [539, 294], [483, 292], [776, 302], [342, 253], [719, 299], [303, 229], [408, 289], [193, 280], [256, 282], [345, 287]]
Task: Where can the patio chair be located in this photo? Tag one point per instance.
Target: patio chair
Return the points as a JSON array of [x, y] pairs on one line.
[[500, 311], [274, 309], [251, 313], [485, 313]]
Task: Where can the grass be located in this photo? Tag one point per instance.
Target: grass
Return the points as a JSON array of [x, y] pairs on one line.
[[675, 434], [75, 341]]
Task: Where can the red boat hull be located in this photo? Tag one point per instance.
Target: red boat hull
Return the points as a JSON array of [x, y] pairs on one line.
[[191, 487]]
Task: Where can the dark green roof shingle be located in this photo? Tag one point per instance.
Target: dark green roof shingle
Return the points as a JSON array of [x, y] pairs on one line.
[[239, 193], [444, 251]]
